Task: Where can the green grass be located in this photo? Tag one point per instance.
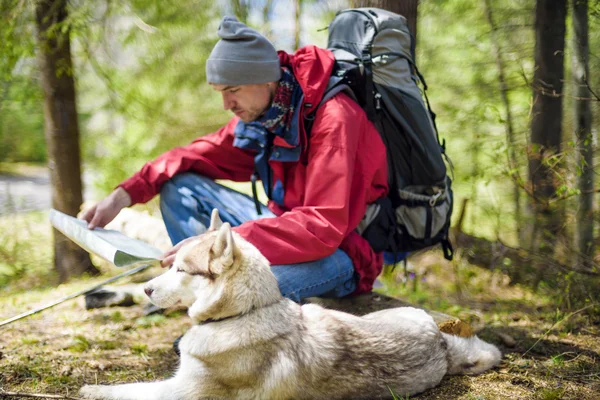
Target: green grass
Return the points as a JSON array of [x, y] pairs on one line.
[[551, 393], [67, 346], [151, 321], [558, 360], [80, 344], [395, 396], [139, 348], [117, 316], [107, 345], [29, 340], [476, 397], [24, 249]]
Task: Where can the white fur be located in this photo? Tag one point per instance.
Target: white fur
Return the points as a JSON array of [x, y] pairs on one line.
[[250, 343]]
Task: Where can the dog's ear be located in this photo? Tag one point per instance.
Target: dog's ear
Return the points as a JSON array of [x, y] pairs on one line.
[[224, 249], [215, 221]]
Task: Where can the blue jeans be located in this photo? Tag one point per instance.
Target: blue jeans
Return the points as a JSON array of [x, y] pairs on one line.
[[186, 202]]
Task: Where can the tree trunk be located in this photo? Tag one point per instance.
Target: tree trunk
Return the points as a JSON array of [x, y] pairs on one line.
[[583, 132], [265, 13], [546, 122], [298, 4], [510, 135], [406, 8], [61, 130]]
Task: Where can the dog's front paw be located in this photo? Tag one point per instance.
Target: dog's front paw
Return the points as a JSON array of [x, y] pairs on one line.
[[95, 392]]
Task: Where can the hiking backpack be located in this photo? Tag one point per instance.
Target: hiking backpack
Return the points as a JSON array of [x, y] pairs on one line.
[[374, 52]]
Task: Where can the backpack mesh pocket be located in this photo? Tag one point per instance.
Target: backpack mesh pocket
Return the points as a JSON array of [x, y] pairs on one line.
[[423, 216]]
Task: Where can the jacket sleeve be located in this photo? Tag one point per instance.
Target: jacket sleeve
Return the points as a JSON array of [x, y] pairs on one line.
[[316, 228], [212, 155]]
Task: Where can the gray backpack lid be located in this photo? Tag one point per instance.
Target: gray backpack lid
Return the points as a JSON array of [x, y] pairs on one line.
[[380, 40]]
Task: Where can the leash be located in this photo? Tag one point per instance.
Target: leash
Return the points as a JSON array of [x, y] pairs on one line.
[[74, 295]]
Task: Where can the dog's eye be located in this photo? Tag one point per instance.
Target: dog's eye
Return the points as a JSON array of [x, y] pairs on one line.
[[179, 270]]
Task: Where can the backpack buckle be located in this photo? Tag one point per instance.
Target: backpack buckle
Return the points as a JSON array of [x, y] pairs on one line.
[[433, 199], [366, 57], [377, 101]]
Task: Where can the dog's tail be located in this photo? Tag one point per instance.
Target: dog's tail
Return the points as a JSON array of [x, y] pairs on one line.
[[471, 355]]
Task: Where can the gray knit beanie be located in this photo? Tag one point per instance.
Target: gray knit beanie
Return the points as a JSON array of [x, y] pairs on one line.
[[242, 56]]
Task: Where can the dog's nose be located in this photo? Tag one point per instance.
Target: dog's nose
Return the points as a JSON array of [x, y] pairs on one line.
[[148, 291]]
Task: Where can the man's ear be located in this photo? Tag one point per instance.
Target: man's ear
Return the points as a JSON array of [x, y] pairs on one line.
[[215, 221], [224, 248]]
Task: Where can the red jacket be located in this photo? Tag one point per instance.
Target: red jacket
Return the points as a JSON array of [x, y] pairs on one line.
[[326, 193]]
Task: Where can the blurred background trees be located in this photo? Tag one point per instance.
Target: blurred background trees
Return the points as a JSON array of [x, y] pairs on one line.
[[512, 83]]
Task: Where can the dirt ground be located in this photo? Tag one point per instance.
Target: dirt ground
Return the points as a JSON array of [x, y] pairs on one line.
[[547, 354]]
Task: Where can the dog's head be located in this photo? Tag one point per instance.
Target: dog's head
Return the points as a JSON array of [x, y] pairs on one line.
[[217, 276]]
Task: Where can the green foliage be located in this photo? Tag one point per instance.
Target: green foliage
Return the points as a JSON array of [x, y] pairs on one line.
[[21, 118], [141, 89], [144, 85], [145, 93], [25, 250], [16, 36], [455, 54], [21, 122]]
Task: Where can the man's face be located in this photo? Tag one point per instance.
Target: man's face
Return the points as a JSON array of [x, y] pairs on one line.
[[248, 102]]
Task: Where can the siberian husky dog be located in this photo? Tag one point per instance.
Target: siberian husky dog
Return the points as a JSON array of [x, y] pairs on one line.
[[248, 342]]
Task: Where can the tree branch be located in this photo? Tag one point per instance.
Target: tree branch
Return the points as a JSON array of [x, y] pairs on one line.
[[568, 196], [540, 256], [490, 254], [590, 89], [4, 394]]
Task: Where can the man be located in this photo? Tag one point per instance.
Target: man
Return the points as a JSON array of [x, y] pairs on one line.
[[319, 183]]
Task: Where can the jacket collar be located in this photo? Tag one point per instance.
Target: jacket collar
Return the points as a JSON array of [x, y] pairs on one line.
[[312, 67]]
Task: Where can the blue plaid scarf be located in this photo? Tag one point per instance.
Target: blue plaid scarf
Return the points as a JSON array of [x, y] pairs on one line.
[[277, 121]]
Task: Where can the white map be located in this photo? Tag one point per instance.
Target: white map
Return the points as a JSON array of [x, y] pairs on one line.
[[111, 245]]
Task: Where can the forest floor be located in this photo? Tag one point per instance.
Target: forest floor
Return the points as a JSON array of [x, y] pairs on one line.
[[547, 354]]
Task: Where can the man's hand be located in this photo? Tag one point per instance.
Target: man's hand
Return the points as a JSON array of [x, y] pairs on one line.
[[107, 209], [169, 257]]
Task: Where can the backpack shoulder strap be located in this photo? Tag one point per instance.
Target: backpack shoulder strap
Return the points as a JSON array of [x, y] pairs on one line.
[[335, 86]]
